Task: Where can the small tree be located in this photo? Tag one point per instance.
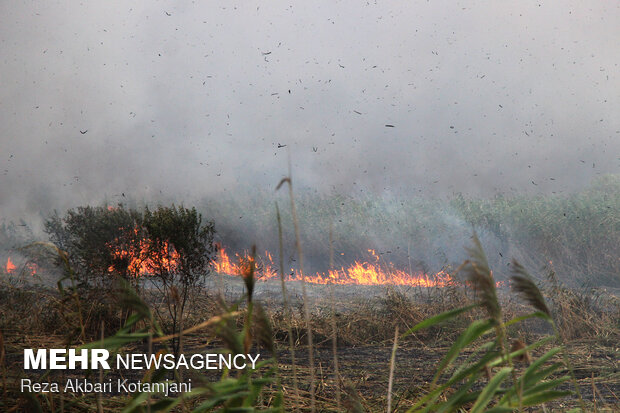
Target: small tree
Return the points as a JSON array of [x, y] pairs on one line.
[[180, 250], [170, 245], [100, 242]]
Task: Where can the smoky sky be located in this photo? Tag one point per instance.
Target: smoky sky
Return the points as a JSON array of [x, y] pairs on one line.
[[188, 99]]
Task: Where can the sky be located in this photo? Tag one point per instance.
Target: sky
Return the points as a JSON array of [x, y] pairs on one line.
[[191, 99]]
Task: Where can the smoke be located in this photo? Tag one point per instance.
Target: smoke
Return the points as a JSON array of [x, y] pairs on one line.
[[104, 101]]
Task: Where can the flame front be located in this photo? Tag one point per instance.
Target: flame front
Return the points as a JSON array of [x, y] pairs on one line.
[[359, 273], [143, 262]]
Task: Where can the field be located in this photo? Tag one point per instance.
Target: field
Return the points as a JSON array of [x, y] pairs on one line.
[[340, 345]]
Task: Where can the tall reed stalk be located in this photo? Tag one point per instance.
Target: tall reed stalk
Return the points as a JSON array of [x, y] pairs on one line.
[[333, 320], [287, 310], [303, 290], [392, 368]]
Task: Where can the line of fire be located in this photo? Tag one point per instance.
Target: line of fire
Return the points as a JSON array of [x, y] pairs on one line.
[[369, 272]]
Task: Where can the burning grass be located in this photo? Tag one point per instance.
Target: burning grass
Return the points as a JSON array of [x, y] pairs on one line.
[[371, 272], [578, 232]]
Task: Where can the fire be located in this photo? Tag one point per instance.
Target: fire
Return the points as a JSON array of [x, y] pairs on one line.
[[224, 266], [144, 262], [10, 267], [360, 273]]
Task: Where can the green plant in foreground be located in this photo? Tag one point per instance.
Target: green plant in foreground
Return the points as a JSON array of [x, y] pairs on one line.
[[229, 394], [243, 392], [479, 372], [487, 380]]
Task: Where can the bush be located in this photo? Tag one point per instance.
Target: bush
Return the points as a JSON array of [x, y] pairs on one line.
[[171, 247]]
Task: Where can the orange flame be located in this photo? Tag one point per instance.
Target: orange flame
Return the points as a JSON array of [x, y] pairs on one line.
[[10, 267], [359, 273], [144, 263], [223, 264]]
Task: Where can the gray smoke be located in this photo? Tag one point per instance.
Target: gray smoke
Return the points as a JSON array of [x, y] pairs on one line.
[[181, 100]]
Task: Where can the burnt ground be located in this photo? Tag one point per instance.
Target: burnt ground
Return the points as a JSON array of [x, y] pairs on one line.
[[364, 372], [364, 369]]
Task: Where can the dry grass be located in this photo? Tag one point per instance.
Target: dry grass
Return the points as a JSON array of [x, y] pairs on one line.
[[353, 329], [365, 335]]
